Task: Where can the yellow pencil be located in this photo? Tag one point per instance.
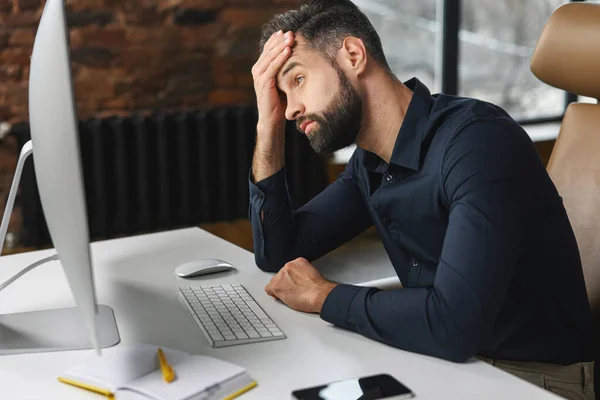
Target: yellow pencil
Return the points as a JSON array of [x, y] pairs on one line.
[[167, 370]]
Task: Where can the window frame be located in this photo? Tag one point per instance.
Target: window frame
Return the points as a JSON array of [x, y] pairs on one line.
[[450, 55]]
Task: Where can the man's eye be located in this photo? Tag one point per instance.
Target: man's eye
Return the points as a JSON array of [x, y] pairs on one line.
[[299, 80]]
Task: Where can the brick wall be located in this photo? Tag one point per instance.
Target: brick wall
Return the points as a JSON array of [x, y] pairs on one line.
[[133, 55]]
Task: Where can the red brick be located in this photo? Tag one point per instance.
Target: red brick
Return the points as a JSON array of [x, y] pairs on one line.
[[152, 37], [20, 113], [166, 5], [89, 17], [245, 81], [25, 73], [120, 103], [3, 39], [92, 56], [5, 113], [195, 101], [17, 93], [98, 75], [87, 107], [223, 79], [244, 17], [10, 72], [14, 55], [146, 16], [80, 5], [6, 5], [202, 4], [94, 89], [76, 37], [237, 49], [103, 114], [104, 37], [230, 97], [23, 5], [202, 37], [140, 59], [22, 38], [223, 64], [25, 19], [145, 101]]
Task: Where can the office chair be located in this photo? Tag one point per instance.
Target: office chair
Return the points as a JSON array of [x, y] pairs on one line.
[[567, 56]]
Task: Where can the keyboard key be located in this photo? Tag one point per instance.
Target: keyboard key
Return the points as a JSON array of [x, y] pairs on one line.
[[257, 310]]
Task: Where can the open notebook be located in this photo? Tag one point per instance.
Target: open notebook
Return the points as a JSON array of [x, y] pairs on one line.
[[133, 373]]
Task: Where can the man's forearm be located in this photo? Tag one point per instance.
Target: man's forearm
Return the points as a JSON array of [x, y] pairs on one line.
[[269, 153]]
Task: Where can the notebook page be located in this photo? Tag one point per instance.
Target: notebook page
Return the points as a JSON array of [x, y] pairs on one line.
[[127, 364], [193, 375]]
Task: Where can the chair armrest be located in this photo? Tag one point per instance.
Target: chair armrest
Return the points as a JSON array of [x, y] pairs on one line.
[[385, 283]]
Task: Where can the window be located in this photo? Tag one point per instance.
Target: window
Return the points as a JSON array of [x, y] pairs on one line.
[[496, 40], [408, 33]]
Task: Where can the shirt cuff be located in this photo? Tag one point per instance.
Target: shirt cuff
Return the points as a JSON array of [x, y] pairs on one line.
[[269, 195], [269, 185], [267, 198], [337, 304]]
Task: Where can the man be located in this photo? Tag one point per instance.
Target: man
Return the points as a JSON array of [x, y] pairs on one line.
[[472, 223]]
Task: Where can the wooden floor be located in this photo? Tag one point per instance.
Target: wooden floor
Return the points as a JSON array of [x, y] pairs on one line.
[[238, 232]]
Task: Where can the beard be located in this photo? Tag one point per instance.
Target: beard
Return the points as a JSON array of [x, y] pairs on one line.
[[340, 123]]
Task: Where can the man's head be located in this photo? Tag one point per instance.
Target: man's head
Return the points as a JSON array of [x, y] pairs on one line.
[[334, 41]]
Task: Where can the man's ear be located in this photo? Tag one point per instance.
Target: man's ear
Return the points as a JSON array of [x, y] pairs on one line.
[[354, 55]]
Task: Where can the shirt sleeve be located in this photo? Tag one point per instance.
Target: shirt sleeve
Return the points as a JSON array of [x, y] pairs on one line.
[[484, 175], [330, 219]]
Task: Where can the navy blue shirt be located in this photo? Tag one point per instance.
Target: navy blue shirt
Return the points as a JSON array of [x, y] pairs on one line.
[[474, 228]]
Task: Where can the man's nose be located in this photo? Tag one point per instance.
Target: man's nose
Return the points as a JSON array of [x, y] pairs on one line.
[[293, 110]]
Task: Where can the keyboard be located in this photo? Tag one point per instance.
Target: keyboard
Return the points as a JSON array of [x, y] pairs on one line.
[[228, 315]]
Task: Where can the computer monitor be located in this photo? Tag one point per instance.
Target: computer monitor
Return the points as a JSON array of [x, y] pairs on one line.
[[58, 170]]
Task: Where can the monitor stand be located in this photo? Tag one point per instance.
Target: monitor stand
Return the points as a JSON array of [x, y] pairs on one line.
[[53, 329]]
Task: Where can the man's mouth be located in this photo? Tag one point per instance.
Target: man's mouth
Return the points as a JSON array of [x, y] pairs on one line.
[[306, 126]]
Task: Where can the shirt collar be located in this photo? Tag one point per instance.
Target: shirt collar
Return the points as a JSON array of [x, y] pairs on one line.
[[407, 149]]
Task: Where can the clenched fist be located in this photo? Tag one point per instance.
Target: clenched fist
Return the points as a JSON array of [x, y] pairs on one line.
[[299, 285]]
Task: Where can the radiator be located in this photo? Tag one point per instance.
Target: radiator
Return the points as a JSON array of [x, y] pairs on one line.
[[148, 173]]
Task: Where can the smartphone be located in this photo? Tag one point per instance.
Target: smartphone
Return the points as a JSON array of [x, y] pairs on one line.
[[373, 387]]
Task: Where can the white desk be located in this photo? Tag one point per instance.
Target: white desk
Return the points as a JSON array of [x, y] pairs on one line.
[[135, 277]]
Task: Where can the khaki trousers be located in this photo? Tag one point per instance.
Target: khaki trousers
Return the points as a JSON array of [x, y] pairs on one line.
[[575, 381]]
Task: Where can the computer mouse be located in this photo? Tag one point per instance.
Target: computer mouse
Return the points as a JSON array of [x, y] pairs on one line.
[[202, 267]]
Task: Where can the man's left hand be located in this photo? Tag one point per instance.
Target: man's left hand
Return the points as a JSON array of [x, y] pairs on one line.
[[299, 285]]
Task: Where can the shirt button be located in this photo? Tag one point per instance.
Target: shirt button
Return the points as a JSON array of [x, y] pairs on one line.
[[415, 263], [389, 178]]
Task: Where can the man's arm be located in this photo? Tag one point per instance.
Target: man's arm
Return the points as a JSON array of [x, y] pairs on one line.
[[280, 233], [330, 219], [485, 176]]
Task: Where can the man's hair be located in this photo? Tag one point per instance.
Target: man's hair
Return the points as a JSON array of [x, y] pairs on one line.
[[324, 24]]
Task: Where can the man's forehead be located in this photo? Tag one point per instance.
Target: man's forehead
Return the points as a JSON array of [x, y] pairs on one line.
[[299, 51], [299, 57]]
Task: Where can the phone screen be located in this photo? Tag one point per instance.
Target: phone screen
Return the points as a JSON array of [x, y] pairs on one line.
[[374, 387]]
